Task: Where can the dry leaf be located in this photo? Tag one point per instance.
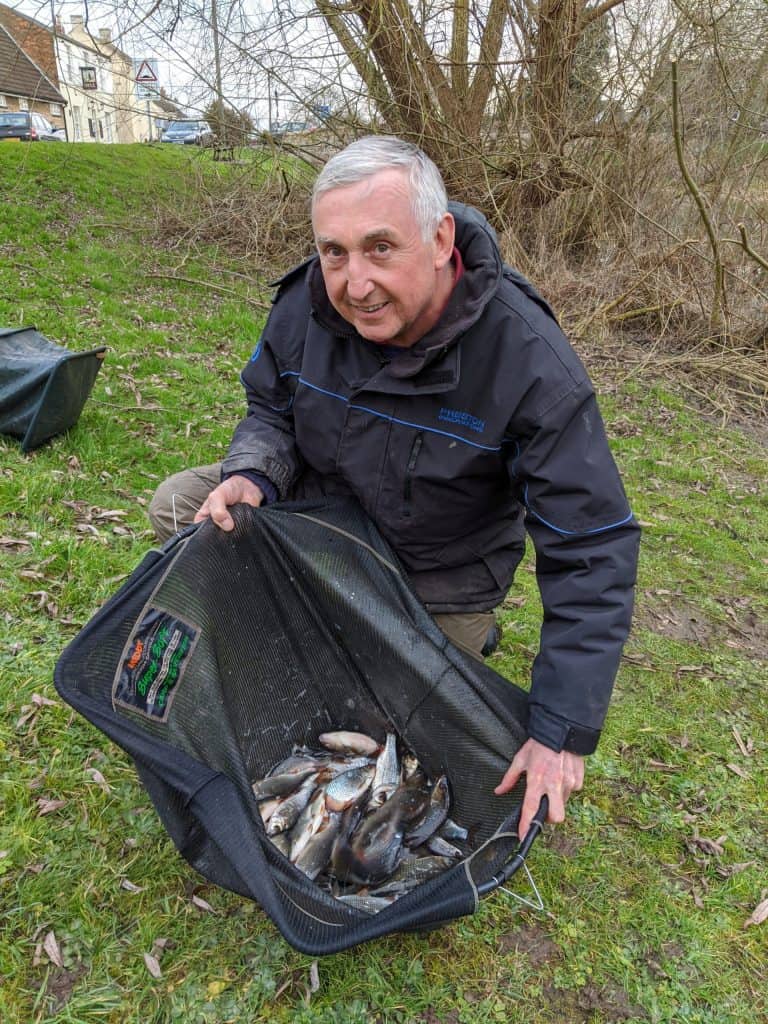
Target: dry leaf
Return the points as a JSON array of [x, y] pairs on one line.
[[202, 904], [738, 771], [153, 965], [37, 957], [758, 915], [99, 779], [129, 886], [52, 951], [48, 806], [314, 977]]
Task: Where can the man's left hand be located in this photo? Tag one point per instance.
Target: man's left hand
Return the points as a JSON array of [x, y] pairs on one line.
[[547, 773]]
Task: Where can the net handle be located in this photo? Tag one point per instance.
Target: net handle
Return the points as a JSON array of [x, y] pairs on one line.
[[513, 865]]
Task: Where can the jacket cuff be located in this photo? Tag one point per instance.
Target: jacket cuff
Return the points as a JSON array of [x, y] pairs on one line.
[[559, 734], [266, 486]]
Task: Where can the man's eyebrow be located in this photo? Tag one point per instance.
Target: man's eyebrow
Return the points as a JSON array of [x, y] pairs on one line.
[[369, 236]]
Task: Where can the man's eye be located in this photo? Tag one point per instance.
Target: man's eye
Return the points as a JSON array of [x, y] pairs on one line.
[[332, 252], [381, 248]]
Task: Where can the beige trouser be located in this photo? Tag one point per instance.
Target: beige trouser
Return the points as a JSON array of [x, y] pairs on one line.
[[178, 498]]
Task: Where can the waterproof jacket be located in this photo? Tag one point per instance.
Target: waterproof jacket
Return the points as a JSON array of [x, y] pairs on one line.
[[487, 426]]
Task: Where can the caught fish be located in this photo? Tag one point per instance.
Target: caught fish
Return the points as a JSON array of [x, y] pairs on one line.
[[348, 787], [359, 818], [450, 830], [309, 822], [442, 848], [376, 846], [439, 802], [281, 785], [287, 814], [387, 773], [350, 742], [316, 853]]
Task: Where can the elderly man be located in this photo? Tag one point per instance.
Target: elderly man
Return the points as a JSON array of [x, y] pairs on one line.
[[406, 365]]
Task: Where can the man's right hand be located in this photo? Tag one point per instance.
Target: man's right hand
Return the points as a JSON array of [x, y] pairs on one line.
[[236, 490]]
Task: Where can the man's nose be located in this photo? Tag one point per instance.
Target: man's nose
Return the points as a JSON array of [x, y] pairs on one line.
[[359, 284]]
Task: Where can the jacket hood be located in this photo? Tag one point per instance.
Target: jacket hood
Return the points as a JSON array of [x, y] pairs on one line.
[[483, 268]]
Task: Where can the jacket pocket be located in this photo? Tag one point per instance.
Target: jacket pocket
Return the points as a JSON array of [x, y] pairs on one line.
[[410, 472]]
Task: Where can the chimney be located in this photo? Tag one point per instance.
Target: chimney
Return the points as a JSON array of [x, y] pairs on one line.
[[77, 20], [105, 35], [59, 25]]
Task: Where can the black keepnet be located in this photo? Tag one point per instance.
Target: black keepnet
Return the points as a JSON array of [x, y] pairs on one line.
[[43, 386], [297, 622]]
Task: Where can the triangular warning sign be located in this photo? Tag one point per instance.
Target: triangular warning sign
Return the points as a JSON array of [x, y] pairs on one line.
[[145, 73]]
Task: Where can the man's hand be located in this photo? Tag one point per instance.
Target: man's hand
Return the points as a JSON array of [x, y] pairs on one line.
[[547, 772], [235, 490]]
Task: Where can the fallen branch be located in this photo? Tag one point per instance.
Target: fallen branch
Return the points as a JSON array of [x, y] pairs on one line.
[[212, 287]]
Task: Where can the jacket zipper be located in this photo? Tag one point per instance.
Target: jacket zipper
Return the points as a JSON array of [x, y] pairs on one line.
[[408, 486]]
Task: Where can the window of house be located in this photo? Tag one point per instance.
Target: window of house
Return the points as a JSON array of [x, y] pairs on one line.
[[56, 108], [3, 101], [23, 103], [91, 127], [77, 123]]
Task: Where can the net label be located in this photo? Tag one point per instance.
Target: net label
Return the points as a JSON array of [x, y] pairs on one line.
[[154, 664]]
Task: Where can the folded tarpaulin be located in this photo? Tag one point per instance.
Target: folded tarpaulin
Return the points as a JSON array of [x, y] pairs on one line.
[[43, 386], [223, 650]]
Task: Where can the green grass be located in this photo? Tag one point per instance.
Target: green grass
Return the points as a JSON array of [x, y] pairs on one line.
[[663, 857]]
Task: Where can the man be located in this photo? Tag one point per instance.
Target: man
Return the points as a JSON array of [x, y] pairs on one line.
[[405, 364]]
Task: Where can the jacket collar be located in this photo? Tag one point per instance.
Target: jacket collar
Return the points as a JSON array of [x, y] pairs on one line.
[[472, 293]]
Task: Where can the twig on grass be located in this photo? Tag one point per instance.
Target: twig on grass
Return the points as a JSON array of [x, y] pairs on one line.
[[212, 287]]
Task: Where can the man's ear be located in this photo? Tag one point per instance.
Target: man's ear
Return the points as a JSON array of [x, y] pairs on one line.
[[445, 237]]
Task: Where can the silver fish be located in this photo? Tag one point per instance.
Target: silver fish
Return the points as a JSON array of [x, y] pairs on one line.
[[287, 814], [309, 822], [315, 854], [439, 801], [281, 785], [282, 841], [267, 808], [350, 742], [348, 787], [442, 848], [413, 871], [451, 830], [376, 846], [387, 775]]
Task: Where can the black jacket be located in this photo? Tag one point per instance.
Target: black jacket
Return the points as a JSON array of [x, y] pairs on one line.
[[486, 424]]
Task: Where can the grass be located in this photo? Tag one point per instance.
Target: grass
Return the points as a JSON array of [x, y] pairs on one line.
[[662, 860]]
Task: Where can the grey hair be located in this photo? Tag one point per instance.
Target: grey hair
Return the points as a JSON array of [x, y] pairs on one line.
[[374, 153]]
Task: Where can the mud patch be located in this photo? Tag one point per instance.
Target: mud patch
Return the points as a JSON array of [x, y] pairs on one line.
[[609, 1004], [59, 986], [531, 942], [432, 1017], [744, 631]]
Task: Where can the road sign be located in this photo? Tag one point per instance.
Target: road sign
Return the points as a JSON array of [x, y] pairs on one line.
[[146, 77], [146, 74]]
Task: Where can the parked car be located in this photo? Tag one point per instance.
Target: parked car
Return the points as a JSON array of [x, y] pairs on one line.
[[27, 126], [188, 133], [282, 128]]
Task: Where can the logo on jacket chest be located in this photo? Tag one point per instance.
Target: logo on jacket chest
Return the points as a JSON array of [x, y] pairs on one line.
[[464, 419]]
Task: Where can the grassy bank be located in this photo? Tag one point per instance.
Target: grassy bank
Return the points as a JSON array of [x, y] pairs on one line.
[[650, 883]]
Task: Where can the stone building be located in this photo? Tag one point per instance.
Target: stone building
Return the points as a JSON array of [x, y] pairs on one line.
[[28, 76]]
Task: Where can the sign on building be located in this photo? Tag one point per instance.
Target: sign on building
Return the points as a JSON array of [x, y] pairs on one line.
[[88, 76]]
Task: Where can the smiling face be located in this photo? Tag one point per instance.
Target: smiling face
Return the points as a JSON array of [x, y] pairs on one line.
[[379, 272]]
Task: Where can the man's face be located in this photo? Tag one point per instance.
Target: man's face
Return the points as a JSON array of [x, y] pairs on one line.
[[379, 272]]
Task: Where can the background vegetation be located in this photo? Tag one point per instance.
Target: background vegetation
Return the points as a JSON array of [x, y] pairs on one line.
[[655, 889]]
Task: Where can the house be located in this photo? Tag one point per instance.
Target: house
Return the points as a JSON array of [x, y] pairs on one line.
[[139, 113], [28, 78], [85, 76]]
